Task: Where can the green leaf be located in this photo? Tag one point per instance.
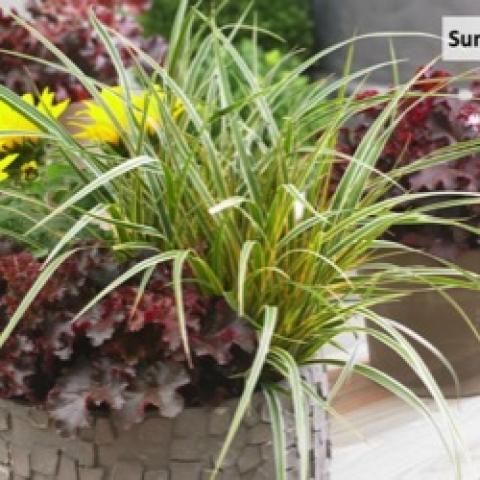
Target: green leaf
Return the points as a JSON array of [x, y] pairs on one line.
[[178, 263], [102, 180], [278, 431], [245, 253], [286, 365], [251, 383]]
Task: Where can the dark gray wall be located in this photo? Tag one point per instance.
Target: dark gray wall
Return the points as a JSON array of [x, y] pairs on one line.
[[339, 19]]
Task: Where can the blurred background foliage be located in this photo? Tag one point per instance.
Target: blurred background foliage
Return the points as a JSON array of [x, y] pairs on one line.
[[291, 20]]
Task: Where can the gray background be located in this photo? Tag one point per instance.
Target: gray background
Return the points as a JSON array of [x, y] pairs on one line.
[[18, 4], [339, 19]]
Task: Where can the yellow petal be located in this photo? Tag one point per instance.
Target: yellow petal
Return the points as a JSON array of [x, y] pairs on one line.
[[98, 125], [28, 98], [31, 165], [59, 108], [13, 120], [5, 162]]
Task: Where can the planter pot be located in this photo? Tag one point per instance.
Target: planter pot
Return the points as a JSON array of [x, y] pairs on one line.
[[431, 316], [337, 21], [157, 449]]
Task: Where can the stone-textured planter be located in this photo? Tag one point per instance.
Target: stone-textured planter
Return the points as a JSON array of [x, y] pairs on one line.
[[157, 449], [430, 315], [338, 20]]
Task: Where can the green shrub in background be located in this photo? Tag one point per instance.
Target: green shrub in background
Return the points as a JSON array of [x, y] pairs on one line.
[[270, 67], [291, 20]]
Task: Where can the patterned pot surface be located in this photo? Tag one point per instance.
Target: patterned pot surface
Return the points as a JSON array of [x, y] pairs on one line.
[[183, 448]]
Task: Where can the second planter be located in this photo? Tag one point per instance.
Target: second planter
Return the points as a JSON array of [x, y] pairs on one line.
[[434, 318]]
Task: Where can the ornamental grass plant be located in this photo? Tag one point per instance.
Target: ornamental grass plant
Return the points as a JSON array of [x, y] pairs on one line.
[[193, 170]]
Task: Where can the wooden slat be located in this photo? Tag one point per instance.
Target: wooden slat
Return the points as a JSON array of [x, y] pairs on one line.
[[398, 444], [358, 392]]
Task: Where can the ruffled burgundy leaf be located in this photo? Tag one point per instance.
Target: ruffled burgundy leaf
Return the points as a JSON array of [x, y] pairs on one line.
[[66, 24], [125, 354], [70, 402], [219, 345], [442, 178], [424, 125], [156, 386]]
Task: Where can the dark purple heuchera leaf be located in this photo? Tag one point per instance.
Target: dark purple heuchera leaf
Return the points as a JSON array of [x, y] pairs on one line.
[[121, 311], [441, 177], [65, 23], [68, 400], [218, 343], [71, 280], [94, 384], [100, 322], [466, 123], [125, 354], [25, 362], [426, 126], [127, 393], [13, 379], [155, 386], [194, 308], [120, 316], [61, 338]]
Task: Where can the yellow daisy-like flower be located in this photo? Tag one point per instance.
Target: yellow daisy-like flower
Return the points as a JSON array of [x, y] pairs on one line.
[[97, 125], [5, 162], [28, 169], [12, 120]]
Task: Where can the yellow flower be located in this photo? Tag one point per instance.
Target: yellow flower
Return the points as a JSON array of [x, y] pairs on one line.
[[97, 125], [12, 120], [28, 169], [5, 162]]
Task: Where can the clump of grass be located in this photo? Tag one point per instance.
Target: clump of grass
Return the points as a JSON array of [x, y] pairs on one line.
[[241, 194]]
